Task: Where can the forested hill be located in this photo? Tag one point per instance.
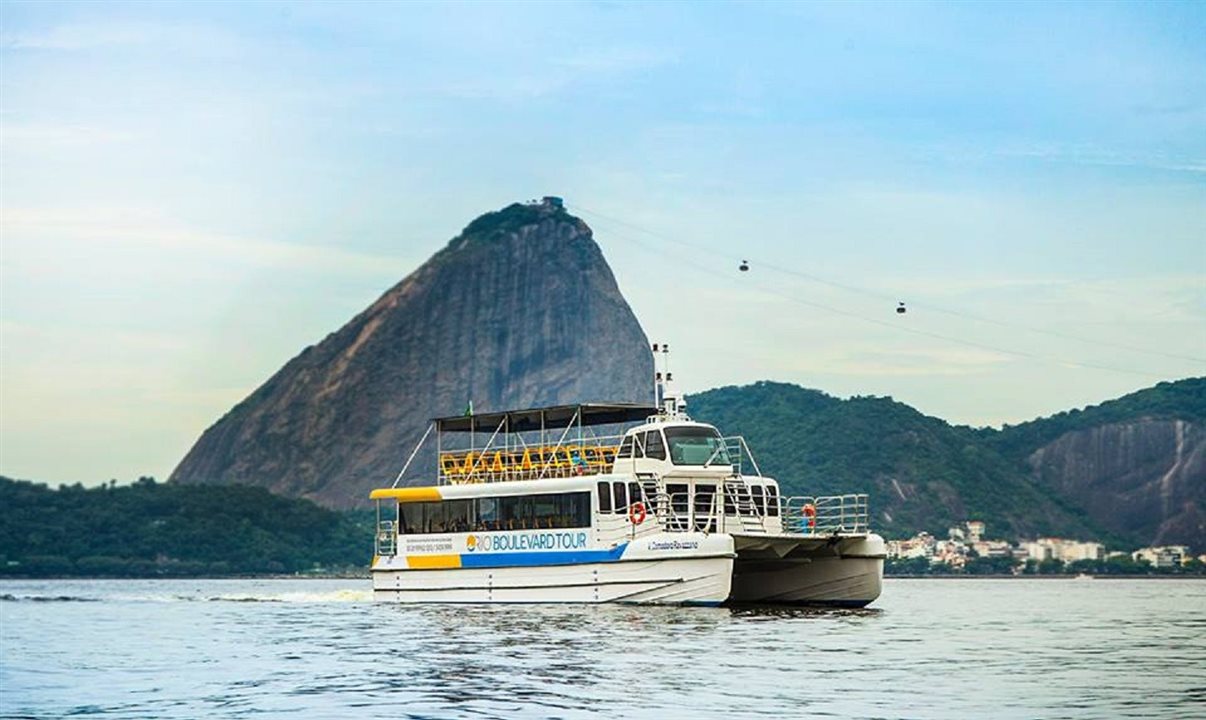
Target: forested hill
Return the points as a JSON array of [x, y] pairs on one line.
[[149, 529], [925, 474]]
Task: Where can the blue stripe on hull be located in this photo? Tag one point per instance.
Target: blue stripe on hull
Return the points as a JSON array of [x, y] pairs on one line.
[[535, 559]]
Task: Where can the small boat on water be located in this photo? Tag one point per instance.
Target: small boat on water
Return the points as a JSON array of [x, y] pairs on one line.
[[613, 503]]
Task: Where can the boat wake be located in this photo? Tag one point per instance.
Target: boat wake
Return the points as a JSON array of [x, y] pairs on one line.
[[8, 597], [336, 596]]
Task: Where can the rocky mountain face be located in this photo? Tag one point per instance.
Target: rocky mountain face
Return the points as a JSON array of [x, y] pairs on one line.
[[519, 310], [1145, 478], [1135, 465]]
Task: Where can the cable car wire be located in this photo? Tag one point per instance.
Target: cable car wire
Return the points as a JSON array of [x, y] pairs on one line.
[[893, 325], [773, 267]]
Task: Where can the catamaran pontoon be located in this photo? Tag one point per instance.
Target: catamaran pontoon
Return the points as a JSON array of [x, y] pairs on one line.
[[548, 509]]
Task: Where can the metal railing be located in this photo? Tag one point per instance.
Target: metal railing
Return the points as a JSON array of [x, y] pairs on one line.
[[715, 512], [826, 514], [387, 537], [740, 455]]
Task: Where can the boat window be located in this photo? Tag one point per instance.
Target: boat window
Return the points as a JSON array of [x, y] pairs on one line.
[[526, 512], [696, 445], [604, 497], [575, 509], [487, 514], [638, 445], [619, 498], [772, 501], [625, 450], [705, 495], [759, 498], [514, 513], [459, 515], [411, 518], [548, 511], [433, 517], [654, 447], [634, 493], [545, 509], [679, 506]]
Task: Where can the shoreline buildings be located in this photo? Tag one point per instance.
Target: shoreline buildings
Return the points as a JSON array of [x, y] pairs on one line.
[[968, 541]]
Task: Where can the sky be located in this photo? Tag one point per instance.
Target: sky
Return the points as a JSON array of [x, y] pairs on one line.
[[190, 194]]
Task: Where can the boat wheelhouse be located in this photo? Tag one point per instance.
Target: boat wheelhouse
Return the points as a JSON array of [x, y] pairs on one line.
[[613, 503]]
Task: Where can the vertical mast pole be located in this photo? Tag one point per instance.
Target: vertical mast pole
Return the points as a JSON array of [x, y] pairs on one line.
[[656, 376]]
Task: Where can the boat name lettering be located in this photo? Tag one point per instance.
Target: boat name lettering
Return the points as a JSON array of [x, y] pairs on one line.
[[526, 541], [674, 545]]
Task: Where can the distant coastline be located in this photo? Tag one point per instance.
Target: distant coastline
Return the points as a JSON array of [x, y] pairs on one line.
[[1139, 576], [358, 575]]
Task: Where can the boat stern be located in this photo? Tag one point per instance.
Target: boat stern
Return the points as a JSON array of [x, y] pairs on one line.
[[844, 570]]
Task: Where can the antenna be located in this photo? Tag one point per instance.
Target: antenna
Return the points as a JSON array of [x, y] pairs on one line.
[[657, 379]]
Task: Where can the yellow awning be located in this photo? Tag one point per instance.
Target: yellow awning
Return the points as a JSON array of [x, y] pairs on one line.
[[407, 494]]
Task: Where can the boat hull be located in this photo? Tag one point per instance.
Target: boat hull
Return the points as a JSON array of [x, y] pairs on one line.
[[836, 571], [683, 581]]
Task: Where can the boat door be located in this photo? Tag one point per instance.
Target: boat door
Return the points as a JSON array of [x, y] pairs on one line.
[[691, 507]]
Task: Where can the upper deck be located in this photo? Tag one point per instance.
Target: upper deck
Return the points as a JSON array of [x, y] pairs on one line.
[[533, 444], [576, 440]]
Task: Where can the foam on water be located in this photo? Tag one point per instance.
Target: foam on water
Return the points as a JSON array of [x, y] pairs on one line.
[[105, 591], [336, 596]]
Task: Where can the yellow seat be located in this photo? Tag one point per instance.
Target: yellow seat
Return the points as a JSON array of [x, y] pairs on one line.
[[449, 465]]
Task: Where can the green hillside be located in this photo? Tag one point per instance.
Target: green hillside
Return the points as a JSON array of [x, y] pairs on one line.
[[149, 529], [922, 473]]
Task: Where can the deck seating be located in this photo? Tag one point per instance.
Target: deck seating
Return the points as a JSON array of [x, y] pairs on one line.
[[471, 466]]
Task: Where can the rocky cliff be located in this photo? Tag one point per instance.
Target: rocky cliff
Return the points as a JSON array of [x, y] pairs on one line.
[[519, 310], [1134, 466], [1145, 479]]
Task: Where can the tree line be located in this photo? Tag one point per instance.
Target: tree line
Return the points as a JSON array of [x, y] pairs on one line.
[[150, 529]]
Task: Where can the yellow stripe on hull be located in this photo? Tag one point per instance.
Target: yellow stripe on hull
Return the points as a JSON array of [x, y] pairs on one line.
[[433, 562]]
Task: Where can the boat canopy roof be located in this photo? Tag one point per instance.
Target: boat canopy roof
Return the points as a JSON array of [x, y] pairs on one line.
[[534, 419]]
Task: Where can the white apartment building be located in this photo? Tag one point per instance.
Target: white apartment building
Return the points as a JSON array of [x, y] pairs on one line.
[[1163, 556], [1063, 550]]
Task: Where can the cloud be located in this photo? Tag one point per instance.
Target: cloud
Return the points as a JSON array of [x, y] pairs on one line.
[[1090, 156], [57, 135], [193, 38], [926, 363], [34, 235], [539, 77], [617, 59]]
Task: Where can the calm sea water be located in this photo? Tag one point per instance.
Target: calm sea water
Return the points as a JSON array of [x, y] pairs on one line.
[[278, 648]]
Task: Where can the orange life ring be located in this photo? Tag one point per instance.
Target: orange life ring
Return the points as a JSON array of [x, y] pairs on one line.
[[810, 511], [636, 513]]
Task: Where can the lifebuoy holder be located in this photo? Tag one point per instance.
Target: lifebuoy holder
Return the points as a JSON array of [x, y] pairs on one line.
[[809, 511], [636, 513]]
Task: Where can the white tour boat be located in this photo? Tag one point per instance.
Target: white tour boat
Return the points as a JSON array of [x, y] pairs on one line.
[[548, 509]]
